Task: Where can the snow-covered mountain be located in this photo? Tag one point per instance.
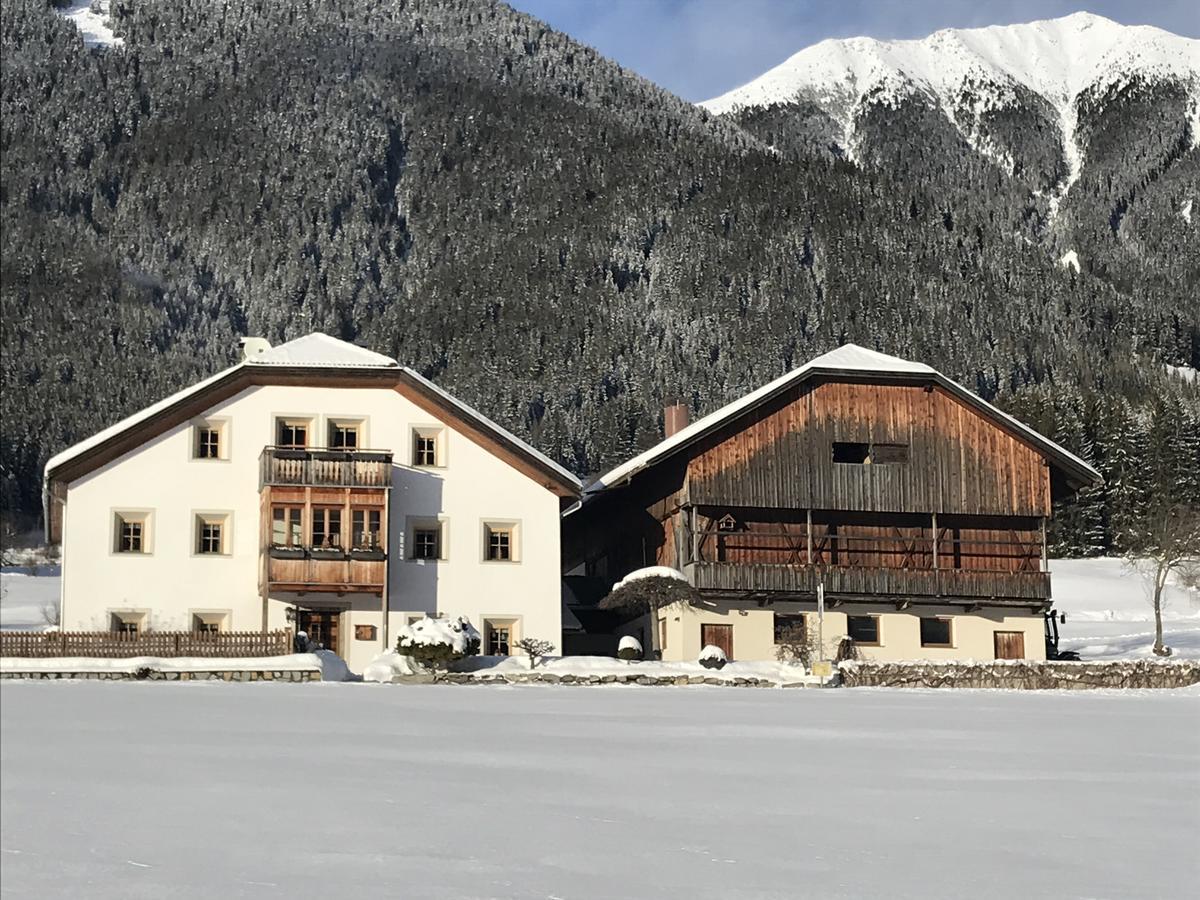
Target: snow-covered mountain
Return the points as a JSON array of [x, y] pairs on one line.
[[975, 75]]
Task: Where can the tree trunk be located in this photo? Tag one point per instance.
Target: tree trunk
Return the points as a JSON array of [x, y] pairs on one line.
[[1160, 578]]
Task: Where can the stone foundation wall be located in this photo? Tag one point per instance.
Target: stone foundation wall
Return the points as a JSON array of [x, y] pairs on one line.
[[153, 675], [1025, 675], [632, 678]]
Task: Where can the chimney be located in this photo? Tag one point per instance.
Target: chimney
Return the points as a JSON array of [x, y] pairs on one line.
[[675, 418]]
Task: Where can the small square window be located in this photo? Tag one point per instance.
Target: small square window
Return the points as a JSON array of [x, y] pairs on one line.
[[291, 433], [208, 442], [327, 527], [127, 624], [789, 629], [426, 543], [499, 639], [935, 632], [428, 451], [344, 435], [500, 542], [209, 623], [863, 629], [212, 534], [131, 533]]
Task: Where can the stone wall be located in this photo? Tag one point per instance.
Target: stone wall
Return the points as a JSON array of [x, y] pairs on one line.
[[291, 675], [631, 678], [1024, 674]]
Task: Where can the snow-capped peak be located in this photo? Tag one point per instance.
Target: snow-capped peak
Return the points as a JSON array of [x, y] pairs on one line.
[[1055, 58]]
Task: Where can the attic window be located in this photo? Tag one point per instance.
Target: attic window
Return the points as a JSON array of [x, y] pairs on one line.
[[844, 452], [869, 454]]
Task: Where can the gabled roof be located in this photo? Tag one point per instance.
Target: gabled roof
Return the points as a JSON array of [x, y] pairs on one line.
[[312, 356], [848, 360], [322, 351]]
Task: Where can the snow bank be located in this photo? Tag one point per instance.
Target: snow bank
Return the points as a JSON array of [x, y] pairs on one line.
[[27, 598], [457, 632], [386, 666], [650, 572]]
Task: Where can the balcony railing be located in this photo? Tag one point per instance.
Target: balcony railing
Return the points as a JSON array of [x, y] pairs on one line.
[[321, 467]]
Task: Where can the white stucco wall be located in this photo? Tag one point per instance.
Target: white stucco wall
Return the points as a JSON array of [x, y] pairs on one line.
[[972, 633], [172, 581]]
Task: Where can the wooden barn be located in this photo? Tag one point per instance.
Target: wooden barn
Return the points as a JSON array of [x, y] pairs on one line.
[[918, 508]]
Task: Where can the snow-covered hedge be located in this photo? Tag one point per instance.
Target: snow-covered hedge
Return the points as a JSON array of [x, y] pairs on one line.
[[629, 648], [437, 643], [650, 572], [713, 657]]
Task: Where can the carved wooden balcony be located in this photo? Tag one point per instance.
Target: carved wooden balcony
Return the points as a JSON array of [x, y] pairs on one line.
[[320, 467]]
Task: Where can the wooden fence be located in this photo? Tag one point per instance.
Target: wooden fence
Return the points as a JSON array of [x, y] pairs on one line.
[[227, 644]]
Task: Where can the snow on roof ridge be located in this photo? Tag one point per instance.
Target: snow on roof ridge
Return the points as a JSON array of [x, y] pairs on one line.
[[503, 432], [322, 350], [848, 357]]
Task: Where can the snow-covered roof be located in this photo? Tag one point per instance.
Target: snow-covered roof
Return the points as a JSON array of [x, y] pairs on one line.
[[318, 350], [847, 359], [313, 351]]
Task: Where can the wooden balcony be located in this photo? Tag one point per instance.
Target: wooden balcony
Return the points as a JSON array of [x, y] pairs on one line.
[[868, 582], [303, 570], [319, 467]]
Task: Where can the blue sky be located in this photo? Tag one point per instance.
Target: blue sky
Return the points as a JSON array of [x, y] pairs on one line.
[[701, 48]]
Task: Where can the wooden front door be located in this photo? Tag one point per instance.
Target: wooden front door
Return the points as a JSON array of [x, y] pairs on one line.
[[321, 626], [1010, 644], [719, 636]]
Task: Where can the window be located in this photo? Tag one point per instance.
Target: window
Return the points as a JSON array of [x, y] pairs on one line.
[[364, 528], [935, 632], [500, 542], [209, 623], [128, 624], [869, 454], [498, 635], [208, 441], [131, 532], [211, 534], [863, 629], [344, 435], [427, 447], [789, 629], [285, 526], [427, 543], [327, 527], [291, 433]]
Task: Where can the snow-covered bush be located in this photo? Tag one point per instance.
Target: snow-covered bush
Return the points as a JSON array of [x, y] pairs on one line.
[[713, 657], [438, 643], [629, 648]]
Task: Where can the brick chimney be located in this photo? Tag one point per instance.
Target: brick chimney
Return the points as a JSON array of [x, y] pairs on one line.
[[675, 418]]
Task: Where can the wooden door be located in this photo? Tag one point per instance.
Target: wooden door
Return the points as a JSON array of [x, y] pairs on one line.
[[321, 626], [1010, 644], [719, 636]]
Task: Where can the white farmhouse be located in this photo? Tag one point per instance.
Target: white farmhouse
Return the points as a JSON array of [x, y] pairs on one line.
[[313, 485]]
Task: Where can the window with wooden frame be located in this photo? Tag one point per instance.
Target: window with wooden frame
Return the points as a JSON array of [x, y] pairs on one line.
[[131, 533], [286, 529], [326, 527], [292, 434], [499, 638], [500, 542], [365, 529], [428, 449], [209, 441], [427, 541], [344, 434], [212, 534], [863, 629], [790, 628], [209, 623], [129, 624], [936, 631]]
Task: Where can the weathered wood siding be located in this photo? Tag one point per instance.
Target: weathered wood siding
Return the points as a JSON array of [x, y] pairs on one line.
[[958, 461]]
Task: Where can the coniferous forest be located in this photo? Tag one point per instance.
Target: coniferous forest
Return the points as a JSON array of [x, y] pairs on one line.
[[561, 243]]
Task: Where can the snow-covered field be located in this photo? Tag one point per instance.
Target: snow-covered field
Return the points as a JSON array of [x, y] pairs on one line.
[[27, 599], [137, 790]]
